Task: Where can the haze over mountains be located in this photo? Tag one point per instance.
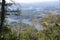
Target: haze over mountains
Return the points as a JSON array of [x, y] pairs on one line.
[[36, 8], [30, 10], [40, 6]]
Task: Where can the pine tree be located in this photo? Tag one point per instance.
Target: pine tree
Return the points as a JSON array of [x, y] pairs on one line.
[[4, 12]]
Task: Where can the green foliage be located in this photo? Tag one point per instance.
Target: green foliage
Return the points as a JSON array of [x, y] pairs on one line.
[[51, 30], [29, 34], [51, 26], [50, 20], [7, 34]]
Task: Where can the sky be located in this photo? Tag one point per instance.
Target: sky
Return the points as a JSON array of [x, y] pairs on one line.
[[30, 1]]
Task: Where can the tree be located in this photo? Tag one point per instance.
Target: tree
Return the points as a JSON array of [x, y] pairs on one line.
[[4, 29], [2, 14]]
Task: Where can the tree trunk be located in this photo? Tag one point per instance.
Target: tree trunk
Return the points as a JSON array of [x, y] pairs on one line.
[[2, 14]]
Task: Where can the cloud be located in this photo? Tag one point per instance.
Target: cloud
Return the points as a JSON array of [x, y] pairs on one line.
[[30, 1]]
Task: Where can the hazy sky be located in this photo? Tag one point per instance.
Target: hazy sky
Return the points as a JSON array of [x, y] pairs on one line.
[[30, 1]]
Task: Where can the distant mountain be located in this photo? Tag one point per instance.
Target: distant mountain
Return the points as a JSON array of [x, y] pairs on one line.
[[35, 8], [41, 5]]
